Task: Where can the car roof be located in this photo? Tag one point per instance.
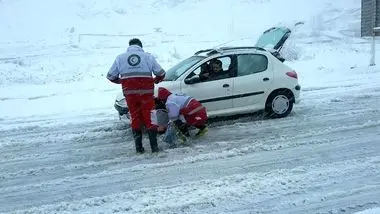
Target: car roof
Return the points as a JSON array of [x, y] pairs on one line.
[[213, 51]]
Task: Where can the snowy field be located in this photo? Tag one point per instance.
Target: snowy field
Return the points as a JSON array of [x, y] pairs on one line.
[[63, 148]]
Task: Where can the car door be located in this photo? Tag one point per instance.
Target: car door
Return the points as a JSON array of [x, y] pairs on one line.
[[215, 95], [254, 79]]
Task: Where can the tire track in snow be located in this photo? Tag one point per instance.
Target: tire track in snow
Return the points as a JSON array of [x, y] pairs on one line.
[[239, 146], [288, 176], [97, 159]]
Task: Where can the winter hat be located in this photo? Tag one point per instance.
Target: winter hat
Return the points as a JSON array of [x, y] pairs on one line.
[[163, 93], [135, 41]]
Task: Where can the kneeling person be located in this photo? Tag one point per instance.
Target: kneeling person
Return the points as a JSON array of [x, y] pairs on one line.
[[184, 111]]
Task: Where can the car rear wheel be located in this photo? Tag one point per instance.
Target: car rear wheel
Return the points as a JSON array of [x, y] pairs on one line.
[[279, 104]]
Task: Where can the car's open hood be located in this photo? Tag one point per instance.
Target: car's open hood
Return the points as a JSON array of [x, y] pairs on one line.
[[274, 38]]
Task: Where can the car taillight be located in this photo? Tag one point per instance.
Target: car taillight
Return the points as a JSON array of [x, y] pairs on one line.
[[292, 74]]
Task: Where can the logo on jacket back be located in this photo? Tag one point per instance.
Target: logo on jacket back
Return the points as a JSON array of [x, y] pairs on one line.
[[134, 60]]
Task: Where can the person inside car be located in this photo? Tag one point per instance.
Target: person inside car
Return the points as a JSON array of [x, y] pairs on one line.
[[214, 72]]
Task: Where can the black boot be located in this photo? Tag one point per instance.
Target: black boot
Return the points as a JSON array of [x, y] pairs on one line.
[[153, 140], [137, 135], [183, 127]]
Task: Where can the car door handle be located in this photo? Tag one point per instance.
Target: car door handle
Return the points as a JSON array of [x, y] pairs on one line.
[[226, 85], [266, 79]]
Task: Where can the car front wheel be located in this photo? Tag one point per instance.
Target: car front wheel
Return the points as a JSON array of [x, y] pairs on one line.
[[279, 104]]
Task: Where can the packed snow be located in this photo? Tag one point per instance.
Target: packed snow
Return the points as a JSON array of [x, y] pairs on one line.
[[63, 148]]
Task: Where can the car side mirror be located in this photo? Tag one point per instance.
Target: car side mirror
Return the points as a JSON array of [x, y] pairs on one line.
[[192, 80]]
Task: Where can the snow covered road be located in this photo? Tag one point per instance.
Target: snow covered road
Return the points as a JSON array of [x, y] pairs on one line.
[[63, 149], [323, 158]]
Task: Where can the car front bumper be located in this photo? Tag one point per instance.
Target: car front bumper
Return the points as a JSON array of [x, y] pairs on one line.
[[122, 110]]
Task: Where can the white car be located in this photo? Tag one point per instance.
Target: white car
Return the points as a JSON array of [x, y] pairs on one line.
[[253, 79]]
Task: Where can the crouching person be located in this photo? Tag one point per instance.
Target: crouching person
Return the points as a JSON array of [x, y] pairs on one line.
[[184, 111]]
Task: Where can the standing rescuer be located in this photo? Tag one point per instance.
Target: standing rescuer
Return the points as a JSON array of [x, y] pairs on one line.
[[133, 70]]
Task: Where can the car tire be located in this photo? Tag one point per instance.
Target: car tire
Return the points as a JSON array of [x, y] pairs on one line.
[[279, 104]]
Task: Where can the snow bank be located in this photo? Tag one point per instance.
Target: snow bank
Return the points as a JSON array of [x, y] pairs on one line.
[[77, 41], [369, 211]]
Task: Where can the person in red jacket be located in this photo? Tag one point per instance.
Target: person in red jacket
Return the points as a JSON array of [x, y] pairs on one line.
[[133, 70], [184, 111]]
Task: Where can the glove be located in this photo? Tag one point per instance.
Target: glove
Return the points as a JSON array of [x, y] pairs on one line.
[[183, 127], [116, 81], [159, 79]]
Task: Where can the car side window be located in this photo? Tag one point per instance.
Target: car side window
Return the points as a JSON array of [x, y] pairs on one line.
[[216, 69], [251, 64]]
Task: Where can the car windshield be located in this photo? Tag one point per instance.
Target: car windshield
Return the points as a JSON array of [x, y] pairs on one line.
[[180, 68], [271, 38]]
